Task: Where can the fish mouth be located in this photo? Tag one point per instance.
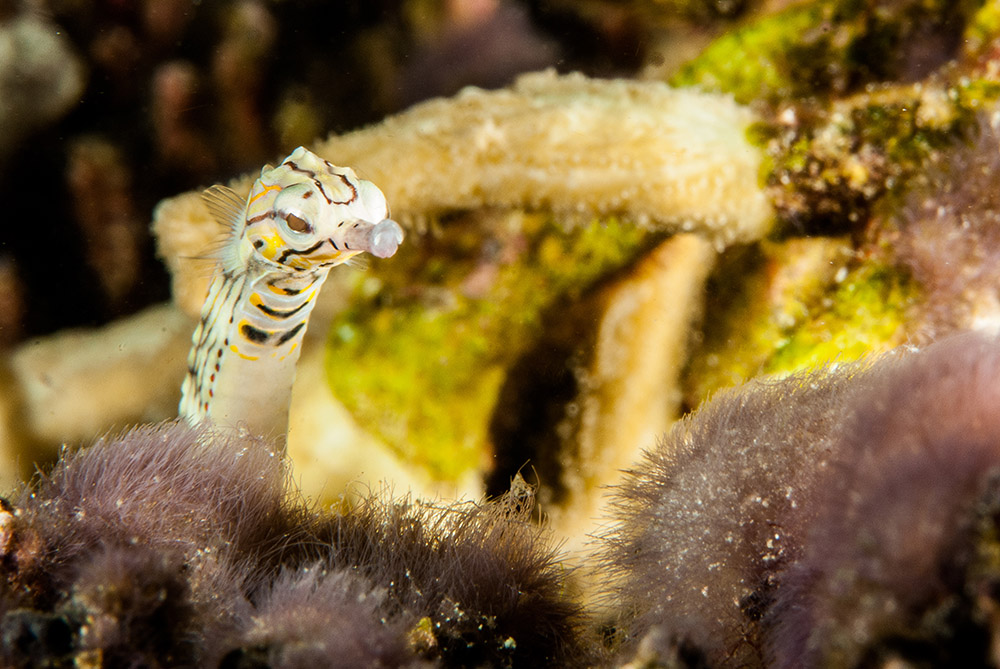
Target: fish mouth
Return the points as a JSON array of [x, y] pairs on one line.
[[385, 237], [379, 239], [333, 258]]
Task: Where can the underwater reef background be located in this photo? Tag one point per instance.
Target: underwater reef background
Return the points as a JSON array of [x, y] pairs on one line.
[[615, 211]]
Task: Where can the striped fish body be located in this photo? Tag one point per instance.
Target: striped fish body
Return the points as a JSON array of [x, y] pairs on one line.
[[244, 350], [299, 220]]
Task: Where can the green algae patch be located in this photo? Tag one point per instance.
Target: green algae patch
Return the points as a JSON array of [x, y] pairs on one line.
[[857, 98], [983, 28], [793, 305], [829, 48], [755, 61], [420, 359], [866, 313]]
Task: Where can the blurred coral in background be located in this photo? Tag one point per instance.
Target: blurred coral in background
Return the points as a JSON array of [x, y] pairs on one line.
[[180, 94]]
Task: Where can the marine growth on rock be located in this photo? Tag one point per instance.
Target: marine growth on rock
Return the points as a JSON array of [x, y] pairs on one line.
[[173, 545], [830, 518]]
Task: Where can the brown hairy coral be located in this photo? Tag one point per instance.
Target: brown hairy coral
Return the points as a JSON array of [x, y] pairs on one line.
[[828, 519], [482, 573], [314, 618], [164, 486], [700, 518], [898, 558], [133, 545], [468, 584], [170, 545], [673, 159]]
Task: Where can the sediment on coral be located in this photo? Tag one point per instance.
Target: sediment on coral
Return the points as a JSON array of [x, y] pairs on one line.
[[830, 166], [828, 518], [168, 545]]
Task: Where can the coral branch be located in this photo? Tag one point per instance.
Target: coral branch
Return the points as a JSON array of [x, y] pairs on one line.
[[669, 159]]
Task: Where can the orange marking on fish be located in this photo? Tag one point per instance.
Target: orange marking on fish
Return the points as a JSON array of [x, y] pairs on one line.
[[264, 190], [232, 347]]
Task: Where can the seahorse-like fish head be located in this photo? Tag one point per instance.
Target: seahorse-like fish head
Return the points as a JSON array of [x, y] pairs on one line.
[[308, 214]]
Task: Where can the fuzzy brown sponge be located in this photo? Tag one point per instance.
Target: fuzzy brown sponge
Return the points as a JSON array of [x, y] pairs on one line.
[[698, 530], [482, 574], [469, 584], [169, 545], [899, 553], [948, 235], [141, 543], [169, 488], [834, 518], [314, 618]]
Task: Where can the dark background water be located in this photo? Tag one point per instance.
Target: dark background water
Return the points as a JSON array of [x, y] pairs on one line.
[[177, 95]]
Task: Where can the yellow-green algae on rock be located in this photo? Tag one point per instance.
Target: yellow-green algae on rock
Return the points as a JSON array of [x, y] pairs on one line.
[[854, 97], [796, 304], [420, 361], [752, 62], [860, 96], [852, 121], [831, 47], [983, 28]]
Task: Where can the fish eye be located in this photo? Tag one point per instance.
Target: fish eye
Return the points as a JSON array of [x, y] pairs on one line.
[[297, 224]]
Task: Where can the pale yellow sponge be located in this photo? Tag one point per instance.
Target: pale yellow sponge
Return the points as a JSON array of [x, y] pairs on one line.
[[639, 149]]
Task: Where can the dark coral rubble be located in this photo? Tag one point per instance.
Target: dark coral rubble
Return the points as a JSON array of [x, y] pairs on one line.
[[173, 546], [845, 517]]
